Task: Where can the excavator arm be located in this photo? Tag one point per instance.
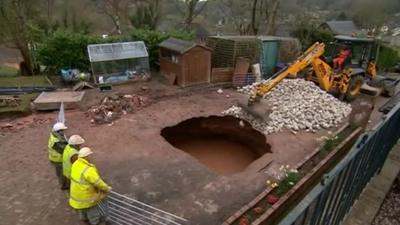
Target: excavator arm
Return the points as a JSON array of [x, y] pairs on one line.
[[306, 59]]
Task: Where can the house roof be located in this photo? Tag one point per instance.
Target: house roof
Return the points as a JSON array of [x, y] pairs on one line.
[[180, 46], [346, 27]]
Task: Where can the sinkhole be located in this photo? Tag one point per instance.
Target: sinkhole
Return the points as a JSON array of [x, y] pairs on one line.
[[224, 144]]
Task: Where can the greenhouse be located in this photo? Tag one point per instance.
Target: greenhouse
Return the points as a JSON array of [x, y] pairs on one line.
[[119, 62]]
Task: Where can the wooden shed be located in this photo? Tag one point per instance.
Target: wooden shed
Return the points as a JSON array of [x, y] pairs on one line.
[[185, 63]]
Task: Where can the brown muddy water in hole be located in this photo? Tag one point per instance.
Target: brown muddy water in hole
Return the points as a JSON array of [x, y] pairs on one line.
[[220, 143]]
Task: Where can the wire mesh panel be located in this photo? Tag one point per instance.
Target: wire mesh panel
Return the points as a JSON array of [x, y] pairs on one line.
[[328, 202], [119, 62], [121, 210]]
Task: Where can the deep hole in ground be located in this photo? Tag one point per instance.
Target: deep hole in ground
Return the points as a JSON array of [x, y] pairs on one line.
[[220, 143]]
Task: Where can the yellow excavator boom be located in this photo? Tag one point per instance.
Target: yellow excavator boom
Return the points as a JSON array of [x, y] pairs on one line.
[[306, 59]]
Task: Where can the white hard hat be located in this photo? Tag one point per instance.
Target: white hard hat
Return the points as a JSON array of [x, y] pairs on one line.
[[59, 126], [85, 152], [76, 140]]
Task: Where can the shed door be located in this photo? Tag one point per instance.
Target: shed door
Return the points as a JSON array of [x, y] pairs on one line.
[[198, 67]]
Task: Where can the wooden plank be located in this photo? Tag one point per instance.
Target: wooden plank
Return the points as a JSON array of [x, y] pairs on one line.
[[52, 100], [221, 75]]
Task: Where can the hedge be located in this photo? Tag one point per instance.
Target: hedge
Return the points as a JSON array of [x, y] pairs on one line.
[[65, 49], [388, 57]]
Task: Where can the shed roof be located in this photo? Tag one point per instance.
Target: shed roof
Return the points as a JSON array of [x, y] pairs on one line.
[[180, 46], [346, 27], [117, 51]]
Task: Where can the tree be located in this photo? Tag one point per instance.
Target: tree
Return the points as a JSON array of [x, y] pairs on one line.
[[271, 10], [146, 15], [372, 15], [238, 12], [306, 27], [15, 19], [115, 10], [247, 16], [192, 9]]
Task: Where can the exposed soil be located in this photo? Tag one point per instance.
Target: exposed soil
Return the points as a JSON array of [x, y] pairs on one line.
[[136, 160], [225, 144]]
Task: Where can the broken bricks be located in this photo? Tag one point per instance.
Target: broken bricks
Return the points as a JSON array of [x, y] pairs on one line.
[[114, 106]]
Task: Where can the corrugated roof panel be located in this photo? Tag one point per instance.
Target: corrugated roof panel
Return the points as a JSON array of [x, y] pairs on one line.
[[117, 51]]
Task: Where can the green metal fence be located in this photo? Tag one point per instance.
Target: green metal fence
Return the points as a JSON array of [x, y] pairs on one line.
[[330, 200]]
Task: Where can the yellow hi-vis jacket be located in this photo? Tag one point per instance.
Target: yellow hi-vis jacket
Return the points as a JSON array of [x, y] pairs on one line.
[[67, 154], [86, 185], [54, 156]]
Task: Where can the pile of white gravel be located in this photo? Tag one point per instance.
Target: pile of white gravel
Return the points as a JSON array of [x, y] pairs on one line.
[[296, 104]]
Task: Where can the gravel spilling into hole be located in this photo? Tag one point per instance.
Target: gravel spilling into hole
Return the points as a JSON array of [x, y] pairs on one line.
[[296, 104]]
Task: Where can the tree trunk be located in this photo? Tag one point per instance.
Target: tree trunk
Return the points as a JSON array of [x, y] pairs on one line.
[[49, 12], [272, 17], [254, 23], [155, 13], [26, 66], [22, 38], [117, 25], [191, 6]]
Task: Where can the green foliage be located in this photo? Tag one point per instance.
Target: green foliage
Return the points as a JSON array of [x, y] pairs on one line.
[[153, 38], [287, 183], [308, 35], [330, 144], [64, 49], [388, 57]]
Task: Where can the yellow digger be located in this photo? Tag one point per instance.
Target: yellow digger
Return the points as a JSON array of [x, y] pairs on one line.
[[346, 83]]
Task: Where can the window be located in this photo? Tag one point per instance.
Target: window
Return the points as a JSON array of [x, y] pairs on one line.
[[170, 55]]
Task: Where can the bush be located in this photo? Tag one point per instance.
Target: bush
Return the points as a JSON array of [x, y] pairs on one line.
[[388, 57], [310, 35], [153, 38], [63, 49]]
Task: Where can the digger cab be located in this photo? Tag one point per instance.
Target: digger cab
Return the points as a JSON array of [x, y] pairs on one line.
[[364, 51]]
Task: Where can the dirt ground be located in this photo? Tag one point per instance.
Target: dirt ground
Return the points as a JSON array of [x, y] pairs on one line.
[[137, 161]]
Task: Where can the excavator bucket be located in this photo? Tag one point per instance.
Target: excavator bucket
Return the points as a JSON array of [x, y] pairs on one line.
[[259, 111]]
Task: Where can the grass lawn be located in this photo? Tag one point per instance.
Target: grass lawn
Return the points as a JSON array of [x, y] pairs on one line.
[[23, 81], [24, 107], [8, 71]]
